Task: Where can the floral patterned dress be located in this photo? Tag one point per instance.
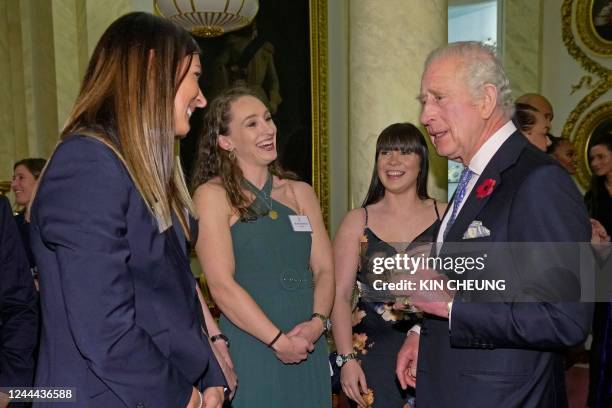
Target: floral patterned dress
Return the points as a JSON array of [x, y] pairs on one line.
[[378, 330]]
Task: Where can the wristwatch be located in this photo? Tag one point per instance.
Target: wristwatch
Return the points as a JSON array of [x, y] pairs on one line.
[[324, 319], [341, 359]]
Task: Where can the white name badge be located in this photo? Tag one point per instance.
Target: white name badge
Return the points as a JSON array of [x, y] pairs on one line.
[[300, 223]]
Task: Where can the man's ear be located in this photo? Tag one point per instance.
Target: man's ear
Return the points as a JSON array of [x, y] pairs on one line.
[[225, 143], [488, 102]]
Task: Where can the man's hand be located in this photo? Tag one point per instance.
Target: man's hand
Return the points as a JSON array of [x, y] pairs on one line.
[[434, 301], [406, 365], [599, 235]]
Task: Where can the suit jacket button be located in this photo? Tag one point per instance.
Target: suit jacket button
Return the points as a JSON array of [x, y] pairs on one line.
[[140, 405]]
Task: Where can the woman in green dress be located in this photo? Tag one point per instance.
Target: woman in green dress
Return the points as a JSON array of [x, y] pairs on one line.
[[266, 256]]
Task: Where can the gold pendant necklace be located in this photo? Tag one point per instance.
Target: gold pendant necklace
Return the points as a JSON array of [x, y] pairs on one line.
[[267, 199], [273, 214]]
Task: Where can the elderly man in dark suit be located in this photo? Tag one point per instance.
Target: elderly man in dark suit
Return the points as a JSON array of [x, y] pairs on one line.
[[18, 309], [505, 353]]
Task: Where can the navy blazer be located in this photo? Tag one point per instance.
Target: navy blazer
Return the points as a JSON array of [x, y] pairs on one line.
[[122, 323], [18, 306], [506, 353]]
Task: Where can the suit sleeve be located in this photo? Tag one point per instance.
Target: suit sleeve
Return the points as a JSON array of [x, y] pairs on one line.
[[81, 210], [546, 208], [18, 306]]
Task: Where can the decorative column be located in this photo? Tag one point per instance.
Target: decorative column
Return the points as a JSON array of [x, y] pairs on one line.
[[522, 44], [388, 43]]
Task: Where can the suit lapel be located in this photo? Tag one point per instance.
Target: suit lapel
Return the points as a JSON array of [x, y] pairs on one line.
[[473, 205], [505, 156]]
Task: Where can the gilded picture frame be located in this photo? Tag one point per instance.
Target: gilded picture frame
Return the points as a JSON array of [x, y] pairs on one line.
[[594, 25], [295, 33], [592, 123]]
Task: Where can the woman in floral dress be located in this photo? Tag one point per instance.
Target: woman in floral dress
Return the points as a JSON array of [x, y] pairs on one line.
[[397, 216]]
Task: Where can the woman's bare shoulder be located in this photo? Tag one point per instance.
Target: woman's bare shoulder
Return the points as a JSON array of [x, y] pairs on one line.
[[211, 196]]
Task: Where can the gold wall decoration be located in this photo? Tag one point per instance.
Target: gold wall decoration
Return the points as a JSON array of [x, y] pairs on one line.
[[318, 69], [600, 87], [586, 81], [596, 39], [586, 129]]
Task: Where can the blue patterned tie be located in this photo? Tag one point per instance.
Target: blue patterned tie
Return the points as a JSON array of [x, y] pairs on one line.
[[466, 175]]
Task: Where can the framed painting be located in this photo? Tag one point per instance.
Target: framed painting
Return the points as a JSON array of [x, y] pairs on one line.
[[282, 56], [594, 23], [595, 124]]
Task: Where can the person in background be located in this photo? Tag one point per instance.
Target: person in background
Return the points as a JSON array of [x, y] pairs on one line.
[[397, 214], [564, 152], [541, 104], [266, 256], [599, 197], [25, 178], [599, 203], [532, 124], [122, 322], [18, 309]]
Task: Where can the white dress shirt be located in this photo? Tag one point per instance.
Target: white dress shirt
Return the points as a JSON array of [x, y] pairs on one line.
[[477, 165]]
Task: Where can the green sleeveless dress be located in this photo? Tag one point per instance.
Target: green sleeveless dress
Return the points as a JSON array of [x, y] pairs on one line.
[[272, 265]]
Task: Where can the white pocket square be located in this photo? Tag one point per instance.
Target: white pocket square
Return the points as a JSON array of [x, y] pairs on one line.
[[476, 230]]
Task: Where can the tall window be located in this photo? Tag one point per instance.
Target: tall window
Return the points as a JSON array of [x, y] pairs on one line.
[[470, 20]]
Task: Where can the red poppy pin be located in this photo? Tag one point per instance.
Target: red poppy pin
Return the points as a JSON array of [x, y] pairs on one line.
[[485, 188]]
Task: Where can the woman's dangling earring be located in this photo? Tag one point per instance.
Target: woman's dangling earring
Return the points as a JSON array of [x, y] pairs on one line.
[[232, 155]]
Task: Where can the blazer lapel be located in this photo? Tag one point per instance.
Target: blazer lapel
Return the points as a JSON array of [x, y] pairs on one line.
[[505, 156], [473, 205]]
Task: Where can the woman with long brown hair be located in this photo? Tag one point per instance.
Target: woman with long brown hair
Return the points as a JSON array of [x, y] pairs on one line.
[[266, 256], [122, 322], [397, 216]]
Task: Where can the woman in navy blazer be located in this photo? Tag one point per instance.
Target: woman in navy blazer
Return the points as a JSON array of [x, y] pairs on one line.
[[122, 322]]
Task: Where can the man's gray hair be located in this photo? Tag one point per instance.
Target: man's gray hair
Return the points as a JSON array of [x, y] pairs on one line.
[[480, 66]]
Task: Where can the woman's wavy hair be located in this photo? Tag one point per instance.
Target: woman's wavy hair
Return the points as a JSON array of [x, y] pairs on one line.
[[126, 101], [212, 161], [406, 138]]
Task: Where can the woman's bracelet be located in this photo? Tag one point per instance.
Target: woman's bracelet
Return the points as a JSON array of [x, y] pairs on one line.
[[275, 339], [220, 336]]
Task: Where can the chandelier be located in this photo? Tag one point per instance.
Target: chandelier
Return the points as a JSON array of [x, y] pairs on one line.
[[208, 18]]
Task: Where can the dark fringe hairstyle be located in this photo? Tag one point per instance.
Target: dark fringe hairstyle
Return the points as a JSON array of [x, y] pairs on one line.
[[404, 137]]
